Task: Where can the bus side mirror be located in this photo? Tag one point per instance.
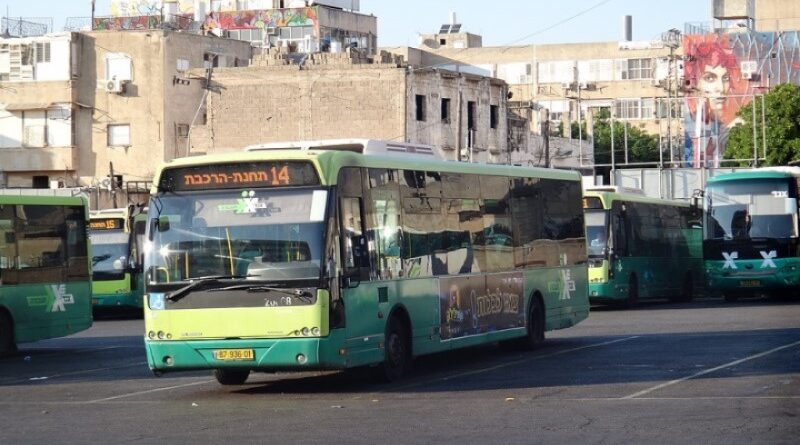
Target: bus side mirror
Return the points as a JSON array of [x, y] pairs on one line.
[[160, 224]]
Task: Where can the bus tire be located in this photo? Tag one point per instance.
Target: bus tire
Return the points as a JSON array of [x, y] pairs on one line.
[[633, 291], [397, 351], [536, 324], [6, 333], [231, 376]]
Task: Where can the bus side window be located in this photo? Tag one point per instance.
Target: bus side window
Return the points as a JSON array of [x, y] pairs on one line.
[[353, 240], [620, 236]]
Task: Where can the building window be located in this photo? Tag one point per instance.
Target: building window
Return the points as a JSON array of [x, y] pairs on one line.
[[41, 182], [472, 124], [182, 65], [42, 50], [420, 102], [494, 116], [119, 135], [210, 60], [446, 110], [639, 69], [635, 108]]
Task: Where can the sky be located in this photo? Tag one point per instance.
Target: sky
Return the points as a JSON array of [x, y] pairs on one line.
[[500, 22]]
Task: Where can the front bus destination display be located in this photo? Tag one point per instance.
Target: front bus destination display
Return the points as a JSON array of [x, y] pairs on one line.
[[301, 259]]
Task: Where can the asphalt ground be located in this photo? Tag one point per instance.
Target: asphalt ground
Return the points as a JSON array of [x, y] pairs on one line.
[[705, 372]]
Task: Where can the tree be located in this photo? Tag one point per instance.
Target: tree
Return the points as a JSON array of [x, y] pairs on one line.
[[782, 132], [642, 146]]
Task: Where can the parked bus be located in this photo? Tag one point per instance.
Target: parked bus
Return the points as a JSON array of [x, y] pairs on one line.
[[351, 253], [45, 288], [112, 272], [641, 248], [751, 232]]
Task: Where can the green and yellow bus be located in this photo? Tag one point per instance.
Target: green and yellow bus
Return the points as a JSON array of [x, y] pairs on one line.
[[751, 242], [113, 284], [45, 288], [641, 248], [339, 254]]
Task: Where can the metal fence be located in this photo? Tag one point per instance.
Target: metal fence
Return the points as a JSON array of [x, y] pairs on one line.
[[670, 183]]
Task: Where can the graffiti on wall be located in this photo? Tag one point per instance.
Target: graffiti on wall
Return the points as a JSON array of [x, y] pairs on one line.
[[126, 23], [268, 18], [722, 73]]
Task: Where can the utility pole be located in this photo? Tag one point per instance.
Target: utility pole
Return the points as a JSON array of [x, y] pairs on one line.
[[113, 182], [672, 39], [544, 125]]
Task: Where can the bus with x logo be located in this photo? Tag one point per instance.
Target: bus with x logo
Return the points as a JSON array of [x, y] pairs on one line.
[[750, 244]]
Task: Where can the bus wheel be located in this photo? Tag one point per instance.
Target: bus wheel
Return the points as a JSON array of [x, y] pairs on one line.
[[397, 351], [633, 292], [231, 376], [536, 321], [6, 334]]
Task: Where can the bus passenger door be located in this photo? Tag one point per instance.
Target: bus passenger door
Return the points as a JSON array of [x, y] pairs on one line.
[[364, 328]]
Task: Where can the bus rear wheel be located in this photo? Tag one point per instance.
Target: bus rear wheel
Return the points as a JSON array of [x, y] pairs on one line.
[[536, 322], [6, 334], [397, 352], [231, 376]]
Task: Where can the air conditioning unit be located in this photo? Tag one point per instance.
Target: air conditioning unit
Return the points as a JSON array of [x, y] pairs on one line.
[[566, 85], [588, 86], [115, 85], [749, 69]]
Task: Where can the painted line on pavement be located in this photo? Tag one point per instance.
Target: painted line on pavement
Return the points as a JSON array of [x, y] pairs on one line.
[[150, 391], [708, 371]]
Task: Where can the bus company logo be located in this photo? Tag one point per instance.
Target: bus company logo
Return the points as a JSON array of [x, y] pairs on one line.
[[768, 256], [564, 287], [249, 204], [55, 300], [730, 258]]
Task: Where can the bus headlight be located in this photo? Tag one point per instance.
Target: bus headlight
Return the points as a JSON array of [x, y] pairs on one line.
[[156, 301], [315, 331]]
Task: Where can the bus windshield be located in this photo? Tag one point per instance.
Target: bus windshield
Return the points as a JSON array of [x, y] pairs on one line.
[[261, 234], [109, 254], [754, 208], [597, 232]]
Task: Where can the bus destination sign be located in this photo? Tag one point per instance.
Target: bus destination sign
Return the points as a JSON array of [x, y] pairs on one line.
[[106, 223], [238, 175]]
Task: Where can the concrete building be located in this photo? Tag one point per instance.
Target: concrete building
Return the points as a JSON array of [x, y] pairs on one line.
[[73, 104], [351, 94]]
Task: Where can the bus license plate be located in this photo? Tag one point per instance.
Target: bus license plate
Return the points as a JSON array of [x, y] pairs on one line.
[[234, 354], [749, 283]]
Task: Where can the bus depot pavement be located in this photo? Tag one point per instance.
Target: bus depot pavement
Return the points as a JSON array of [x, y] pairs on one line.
[[705, 372]]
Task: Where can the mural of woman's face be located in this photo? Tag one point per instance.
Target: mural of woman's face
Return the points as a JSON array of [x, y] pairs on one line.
[[715, 82]]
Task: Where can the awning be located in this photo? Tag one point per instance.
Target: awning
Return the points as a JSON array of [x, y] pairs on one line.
[[28, 106]]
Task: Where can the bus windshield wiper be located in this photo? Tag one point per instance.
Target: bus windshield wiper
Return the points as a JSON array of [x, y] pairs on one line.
[[261, 288], [177, 294]]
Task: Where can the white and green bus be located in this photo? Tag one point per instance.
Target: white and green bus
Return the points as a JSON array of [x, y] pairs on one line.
[[45, 286], [641, 248], [752, 241], [340, 254]]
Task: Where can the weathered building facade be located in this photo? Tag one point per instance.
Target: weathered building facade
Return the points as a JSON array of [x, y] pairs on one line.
[[332, 96], [99, 99]]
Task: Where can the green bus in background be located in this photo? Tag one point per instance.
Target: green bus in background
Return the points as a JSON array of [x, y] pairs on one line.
[[641, 248], [45, 288], [114, 278], [751, 232], [340, 254]]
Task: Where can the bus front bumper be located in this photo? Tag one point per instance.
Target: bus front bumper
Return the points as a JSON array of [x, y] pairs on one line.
[[752, 279], [600, 293], [115, 300], [296, 354]]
